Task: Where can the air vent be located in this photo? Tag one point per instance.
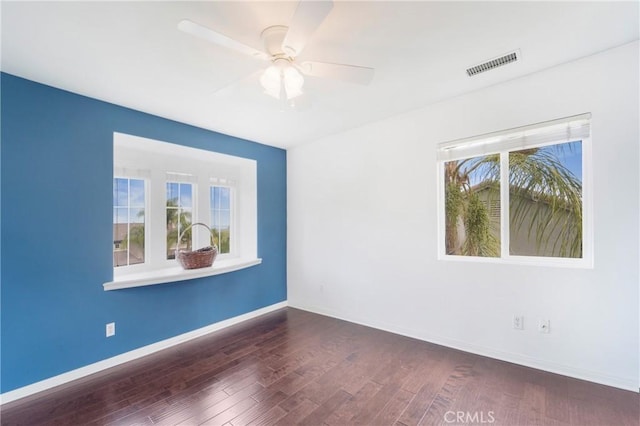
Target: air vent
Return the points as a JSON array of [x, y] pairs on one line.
[[494, 63]]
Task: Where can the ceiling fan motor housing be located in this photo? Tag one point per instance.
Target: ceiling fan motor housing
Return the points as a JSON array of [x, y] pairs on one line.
[[272, 37]]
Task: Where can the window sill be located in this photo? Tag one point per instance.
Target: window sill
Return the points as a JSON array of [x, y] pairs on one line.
[[581, 263], [170, 275]]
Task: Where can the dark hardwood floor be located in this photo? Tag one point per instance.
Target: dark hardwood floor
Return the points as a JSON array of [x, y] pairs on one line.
[[294, 367]]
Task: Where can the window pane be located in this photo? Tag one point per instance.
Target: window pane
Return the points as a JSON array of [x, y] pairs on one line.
[[215, 197], [178, 215], [224, 198], [120, 215], [137, 193], [172, 193], [128, 222], [224, 230], [185, 195], [221, 217], [224, 241], [225, 219], [136, 215], [545, 201], [136, 237], [120, 229], [472, 206], [120, 192]]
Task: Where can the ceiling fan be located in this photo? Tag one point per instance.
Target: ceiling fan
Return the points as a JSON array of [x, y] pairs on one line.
[[284, 78]]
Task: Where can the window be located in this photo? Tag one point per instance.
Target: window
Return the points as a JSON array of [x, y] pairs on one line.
[[161, 188], [220, 205], [518, 195], [128, 221]]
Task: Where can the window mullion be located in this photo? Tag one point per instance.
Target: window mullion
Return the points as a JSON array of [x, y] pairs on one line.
[[201, 208], [147, 221], [504, 205], [128, 222], [179, 215]]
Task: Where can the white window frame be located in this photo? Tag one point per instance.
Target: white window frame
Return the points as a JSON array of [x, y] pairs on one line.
[[570, 129], [162, 162]]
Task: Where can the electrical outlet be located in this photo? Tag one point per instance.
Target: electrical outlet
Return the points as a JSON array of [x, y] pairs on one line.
[[111, 329], [518, 322], [544, 326]]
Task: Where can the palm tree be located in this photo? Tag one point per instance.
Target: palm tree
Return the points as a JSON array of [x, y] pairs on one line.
[[545, 203]]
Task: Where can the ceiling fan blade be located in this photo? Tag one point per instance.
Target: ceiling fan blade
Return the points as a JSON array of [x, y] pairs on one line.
[[306, 19], [342, 72], [205, 33]]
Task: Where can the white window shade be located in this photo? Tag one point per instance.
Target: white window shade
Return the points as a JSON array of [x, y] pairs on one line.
[[181, 177], [222, 181], [131, 172], [566, 129]]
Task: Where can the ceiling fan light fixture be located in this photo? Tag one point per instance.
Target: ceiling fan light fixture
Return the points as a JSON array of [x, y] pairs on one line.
[[271, 81], [293, 82], [279, 76]]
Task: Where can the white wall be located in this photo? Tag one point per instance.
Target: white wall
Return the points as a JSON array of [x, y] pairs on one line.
[[362, 226]]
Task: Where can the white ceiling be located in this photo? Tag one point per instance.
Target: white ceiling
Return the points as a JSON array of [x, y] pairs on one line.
[[131, 54]]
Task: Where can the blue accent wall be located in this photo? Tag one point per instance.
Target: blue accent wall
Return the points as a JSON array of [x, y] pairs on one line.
[[56, 177]]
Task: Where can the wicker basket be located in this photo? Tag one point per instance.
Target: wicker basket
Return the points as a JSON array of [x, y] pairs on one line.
[[201, 258]]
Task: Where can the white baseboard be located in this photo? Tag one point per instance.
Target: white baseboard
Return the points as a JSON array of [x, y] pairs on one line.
[[539, 364], [131, 355]]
